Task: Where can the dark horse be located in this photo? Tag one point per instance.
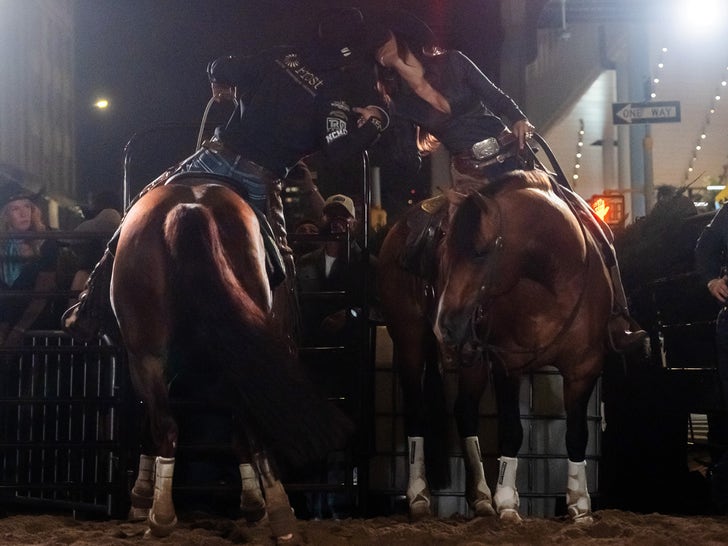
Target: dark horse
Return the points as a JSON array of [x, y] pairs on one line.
[[520, 285], [191, 295]]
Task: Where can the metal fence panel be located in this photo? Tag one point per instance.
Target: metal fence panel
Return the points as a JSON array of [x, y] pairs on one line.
[[62, 415]]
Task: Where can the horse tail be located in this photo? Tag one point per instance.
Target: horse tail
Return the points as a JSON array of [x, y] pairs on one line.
[[436, 419], [227, 337]]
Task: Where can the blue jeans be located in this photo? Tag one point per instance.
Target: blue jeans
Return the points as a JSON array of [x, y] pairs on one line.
[[210, 161]]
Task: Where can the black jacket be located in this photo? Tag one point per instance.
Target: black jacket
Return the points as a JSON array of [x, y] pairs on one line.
[[295, 102], [711, 247], [476, 103]]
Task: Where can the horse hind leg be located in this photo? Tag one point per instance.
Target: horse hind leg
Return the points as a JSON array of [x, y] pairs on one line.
[[252, 503], [280, 514], [142, 494], [418, 492], [162, 516], [477, 492]]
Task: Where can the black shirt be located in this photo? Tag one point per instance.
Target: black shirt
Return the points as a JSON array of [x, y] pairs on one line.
[[295, 102]]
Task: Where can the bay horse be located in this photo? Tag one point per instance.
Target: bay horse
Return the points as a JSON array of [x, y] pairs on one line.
[[520, 284], [191, 296]]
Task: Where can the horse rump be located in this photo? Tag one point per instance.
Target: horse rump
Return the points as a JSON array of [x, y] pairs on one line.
[[227, 337]]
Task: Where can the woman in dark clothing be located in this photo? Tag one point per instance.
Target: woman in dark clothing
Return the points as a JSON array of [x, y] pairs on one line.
[[445, 94], [25, 264]]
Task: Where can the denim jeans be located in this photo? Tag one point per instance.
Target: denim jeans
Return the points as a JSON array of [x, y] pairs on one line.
[[208, 161]]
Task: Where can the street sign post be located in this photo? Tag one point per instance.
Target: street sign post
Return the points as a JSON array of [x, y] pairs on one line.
[[629, 113]]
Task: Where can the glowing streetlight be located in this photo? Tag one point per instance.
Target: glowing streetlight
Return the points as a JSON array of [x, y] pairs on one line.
[[701, 16], [101, 104]]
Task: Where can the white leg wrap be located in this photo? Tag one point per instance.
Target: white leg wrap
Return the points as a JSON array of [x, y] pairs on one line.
[[506, 494], [252, 502], [142, 494], [418, 494], [578, 502], [162, 517], [477, 492]]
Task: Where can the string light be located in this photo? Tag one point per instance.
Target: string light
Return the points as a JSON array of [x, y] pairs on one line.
[[579, 147], [703, 133], [656, 79]]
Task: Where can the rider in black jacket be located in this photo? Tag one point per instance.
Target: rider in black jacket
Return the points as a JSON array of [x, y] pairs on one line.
[[292, 102]]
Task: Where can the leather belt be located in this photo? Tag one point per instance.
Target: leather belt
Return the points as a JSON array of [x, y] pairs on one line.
[[488, 152]]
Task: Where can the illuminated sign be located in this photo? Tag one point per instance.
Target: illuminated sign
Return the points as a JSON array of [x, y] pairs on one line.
[[609, 207]]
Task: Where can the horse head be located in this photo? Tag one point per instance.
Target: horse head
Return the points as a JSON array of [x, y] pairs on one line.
[[472, 257]]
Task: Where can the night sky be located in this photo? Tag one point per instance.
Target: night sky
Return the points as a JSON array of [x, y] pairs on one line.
[[148, 57]]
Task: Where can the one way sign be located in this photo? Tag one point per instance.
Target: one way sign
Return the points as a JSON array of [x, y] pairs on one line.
[[645, 112]]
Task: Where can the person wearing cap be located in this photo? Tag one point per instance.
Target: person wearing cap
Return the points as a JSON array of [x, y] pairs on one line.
[[25, 264], [290, 103], [447, 96], [330, 320], [329, 268], [102, 216]]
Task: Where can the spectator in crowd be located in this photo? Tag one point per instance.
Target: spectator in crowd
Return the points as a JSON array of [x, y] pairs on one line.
[[673, 203], [102, 217], [333, 267], [305, 227], [26, 263]]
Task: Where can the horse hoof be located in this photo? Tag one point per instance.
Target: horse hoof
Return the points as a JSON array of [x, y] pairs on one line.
[[580, 517], [160, 529], [138, 514], [253, 515], [420, 510], [510, 515]]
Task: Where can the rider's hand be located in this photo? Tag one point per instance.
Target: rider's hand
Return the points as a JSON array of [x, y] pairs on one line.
[[374, 113], [221, 92], [522, 129], [718, 288]]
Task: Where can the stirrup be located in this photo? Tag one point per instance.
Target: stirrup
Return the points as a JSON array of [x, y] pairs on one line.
[[85, 319], [77, 322], [628, 341]]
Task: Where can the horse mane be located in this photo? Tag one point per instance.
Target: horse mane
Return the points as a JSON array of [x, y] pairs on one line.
[[463, 216]]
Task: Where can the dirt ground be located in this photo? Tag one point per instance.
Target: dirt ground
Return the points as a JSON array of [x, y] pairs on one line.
[[609, 527]]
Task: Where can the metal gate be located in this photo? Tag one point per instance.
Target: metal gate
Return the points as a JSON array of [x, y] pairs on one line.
[[63, 419]]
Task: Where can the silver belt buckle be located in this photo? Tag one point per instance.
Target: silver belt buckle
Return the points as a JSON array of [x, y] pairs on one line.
[[485, 148]]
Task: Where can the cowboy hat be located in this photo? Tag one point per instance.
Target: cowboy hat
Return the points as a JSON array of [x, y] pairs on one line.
[[401, 23], [12, 191]]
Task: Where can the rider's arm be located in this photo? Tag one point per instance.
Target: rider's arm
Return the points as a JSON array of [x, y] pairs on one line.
[[494, 98], [348, 131]]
